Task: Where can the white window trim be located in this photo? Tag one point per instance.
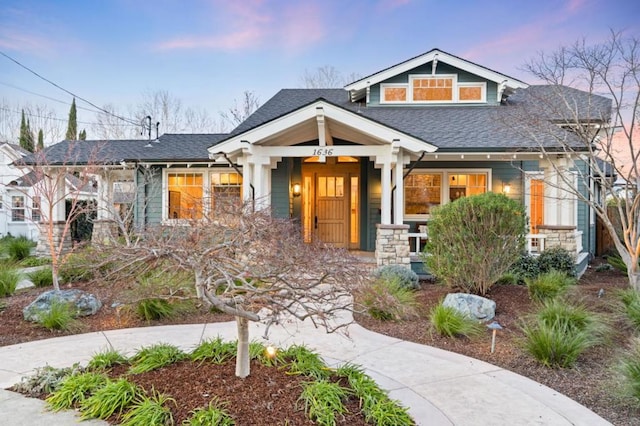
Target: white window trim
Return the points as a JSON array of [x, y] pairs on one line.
[[444, 188], [393, 85], [206, 188], [483, 97], [454, 88], [24, 209]]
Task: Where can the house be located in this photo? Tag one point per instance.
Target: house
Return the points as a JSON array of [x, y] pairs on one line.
[[19, 210], [362, 167]]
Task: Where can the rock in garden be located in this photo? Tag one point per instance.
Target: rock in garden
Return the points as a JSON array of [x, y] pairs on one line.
[[83, 303], [473, 306]]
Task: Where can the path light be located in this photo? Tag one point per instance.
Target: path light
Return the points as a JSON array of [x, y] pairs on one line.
[[494, 327], [271, 351]]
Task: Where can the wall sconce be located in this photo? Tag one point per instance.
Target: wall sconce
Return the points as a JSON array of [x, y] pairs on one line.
[[296, 189], [506, 188]]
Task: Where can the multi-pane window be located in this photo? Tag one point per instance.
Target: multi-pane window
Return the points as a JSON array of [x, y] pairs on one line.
[[185, 195], [35, 209], [226, 189], [395, 94], [432, 89], [17, 208], [422, 191]]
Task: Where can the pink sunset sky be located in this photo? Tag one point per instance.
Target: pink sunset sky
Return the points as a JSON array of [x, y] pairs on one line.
[[207, 52]]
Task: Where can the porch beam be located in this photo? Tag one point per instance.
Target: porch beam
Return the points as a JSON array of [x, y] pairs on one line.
[[332, 151]]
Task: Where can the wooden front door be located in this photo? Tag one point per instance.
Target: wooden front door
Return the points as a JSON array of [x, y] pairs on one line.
[[330, 203]]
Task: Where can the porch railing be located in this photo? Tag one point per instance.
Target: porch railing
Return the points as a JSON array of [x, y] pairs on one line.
[[416, 243], [535, 243]]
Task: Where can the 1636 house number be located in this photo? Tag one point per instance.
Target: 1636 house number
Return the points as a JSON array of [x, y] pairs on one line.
[[323, 151]]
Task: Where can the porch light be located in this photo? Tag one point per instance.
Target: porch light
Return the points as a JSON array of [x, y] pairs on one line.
[[506, 188], [296, 189]]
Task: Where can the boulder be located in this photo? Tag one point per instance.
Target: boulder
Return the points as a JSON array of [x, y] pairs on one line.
[[473, 306], [83, 303]]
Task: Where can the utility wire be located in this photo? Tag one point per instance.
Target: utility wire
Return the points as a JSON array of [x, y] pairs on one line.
[[43, 96], [67, 91], [30, 114]]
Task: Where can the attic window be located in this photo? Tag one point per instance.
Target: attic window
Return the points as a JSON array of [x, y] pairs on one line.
[[439, 88], [395, 93], [432, 89]]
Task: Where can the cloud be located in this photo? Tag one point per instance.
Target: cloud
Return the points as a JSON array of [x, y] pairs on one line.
[[14, 39], [257, 23]]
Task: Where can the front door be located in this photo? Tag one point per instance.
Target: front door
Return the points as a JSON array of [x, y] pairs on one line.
[[330, 201]]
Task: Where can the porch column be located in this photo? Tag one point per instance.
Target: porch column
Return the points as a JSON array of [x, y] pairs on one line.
[[53, 213], [385, 202], [247, 181], [398, 200], [104, 226], [262, 181]]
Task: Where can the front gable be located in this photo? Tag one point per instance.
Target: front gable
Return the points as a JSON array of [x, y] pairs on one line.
[[435, 77]]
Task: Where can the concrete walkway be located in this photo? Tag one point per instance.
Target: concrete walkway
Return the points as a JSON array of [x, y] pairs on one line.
[[439, 387]]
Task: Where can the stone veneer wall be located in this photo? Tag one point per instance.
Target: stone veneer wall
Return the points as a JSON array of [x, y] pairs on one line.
[[392, 245], [559, 236], [103, 231], [42, 248]]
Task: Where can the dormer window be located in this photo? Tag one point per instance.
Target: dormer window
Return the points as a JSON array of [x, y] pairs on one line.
[[439, 88]]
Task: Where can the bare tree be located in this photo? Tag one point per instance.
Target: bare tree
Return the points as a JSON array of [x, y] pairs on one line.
[[241, 110], [583, 124], [326, 77], [40, 117], [60, 192], [253, 266], [108, 125]]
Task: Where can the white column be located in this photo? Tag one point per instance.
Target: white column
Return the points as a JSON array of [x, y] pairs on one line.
[[247, 180], [398, 201], [385, 202], [105, 197], [261, 181]]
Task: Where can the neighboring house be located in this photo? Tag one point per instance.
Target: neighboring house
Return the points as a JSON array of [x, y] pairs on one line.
[[19, 210], [362, 167]]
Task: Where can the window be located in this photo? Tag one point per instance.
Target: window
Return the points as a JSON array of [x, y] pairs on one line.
[[35, 209], [17, 208], [1, 205], [226, 189], [394, 93], [471, 92], [424, 190], [185, 195], [432, 89]]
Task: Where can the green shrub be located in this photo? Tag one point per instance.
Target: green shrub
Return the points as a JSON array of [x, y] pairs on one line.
[[154, 357], [35, 261], [388, 300], [41, 277], [631, 306], [629, 369], [19, 248], [559, 333], [301, 360], [106, 359], [9, 279], [149, 411], [60, 316], [214, 414], [557, 259], [525, 267], [154, 309], [404, 275], [449, 322], [323, 401], [45, 380], [474, 240], [111, 398], [549, 285], [77, 267], [74, 389], [509, 278], [216, 351]]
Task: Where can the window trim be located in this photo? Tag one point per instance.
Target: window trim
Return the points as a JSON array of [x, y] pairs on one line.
[[444, 188], [483, 92], [14, 209], [455, 86], [394, 86]]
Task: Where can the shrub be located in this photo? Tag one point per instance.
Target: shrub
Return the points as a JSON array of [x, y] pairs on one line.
[[629, 369], [35, 261], [19, 248], [216, 351], [548, 285], [301, 360], [559, 333], [405, 276], [617, 262], [509, 278], [77, 267], [474, 240], [106, 359], [9, 279], [154, 357], [74, 389], [60, 316], [525, 267], [388, 300], [449, 322], [45, 380], [631, 306], [557, 259], [154, 309], [149, 411], [41, 277], [214, 414], [112, 397], [323, 401]]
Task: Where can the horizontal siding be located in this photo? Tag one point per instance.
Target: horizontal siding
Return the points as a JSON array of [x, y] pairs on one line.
[[280, 190], [374, 203]]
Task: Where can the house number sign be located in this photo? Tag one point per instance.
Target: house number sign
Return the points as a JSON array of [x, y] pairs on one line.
[[323, 151]]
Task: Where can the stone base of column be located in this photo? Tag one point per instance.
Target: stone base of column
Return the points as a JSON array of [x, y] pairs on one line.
[[104, 231], [560, 236], [392, 245], [57, 229]]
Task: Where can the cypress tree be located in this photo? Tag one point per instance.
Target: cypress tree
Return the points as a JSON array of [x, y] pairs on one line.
[[26, 137], [40, 145], [72, 128], [83, 135]]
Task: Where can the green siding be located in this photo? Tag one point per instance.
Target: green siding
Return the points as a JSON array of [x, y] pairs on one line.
[[373, 204], [442, 68], [280, 189], [148, 197]]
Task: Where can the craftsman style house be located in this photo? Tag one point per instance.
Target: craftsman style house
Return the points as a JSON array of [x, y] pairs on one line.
[[362, 167]]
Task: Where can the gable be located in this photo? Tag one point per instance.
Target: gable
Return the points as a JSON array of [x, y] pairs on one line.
[[432, 61]]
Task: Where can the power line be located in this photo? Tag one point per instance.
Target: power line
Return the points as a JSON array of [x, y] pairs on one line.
[[43, 96], [30, 114], [68, 92]]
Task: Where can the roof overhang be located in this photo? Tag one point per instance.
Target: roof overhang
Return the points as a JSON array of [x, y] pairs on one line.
[[357, 90], [324, 121]]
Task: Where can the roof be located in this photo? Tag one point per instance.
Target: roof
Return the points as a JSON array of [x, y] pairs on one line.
[[168, 147], [357, 89]]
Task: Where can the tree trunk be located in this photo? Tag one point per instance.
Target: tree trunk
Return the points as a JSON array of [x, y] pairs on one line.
[[634, 280], [54, 273], [200, 293], [242, 356]]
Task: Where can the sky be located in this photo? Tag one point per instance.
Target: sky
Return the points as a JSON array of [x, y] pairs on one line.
[[208, 52]]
